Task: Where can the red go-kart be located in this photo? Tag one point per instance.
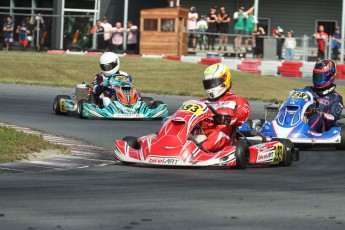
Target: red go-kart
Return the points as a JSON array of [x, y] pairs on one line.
[[178, 144]]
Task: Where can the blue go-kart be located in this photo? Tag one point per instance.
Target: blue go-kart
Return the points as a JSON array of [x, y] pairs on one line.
[[288, 120]]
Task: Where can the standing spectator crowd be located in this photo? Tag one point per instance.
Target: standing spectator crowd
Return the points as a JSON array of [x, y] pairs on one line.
[[25, 30], [203, 30], [110, 38]]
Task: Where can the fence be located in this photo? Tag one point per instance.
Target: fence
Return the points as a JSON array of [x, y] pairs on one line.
[[306, 46]]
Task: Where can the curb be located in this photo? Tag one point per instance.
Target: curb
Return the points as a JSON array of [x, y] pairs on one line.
[[83, 155]]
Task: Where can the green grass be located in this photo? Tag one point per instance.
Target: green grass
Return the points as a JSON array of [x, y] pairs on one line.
[[16, 145], [150, 75]]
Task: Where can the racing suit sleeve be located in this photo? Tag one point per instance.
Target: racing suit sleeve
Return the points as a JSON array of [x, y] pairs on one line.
[[335, 111], [97, 84], [98, 79], [241, 113]]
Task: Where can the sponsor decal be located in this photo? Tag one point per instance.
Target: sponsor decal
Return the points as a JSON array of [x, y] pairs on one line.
[[314, 134], [224, 104], [128, 115], [324, 101], [261, 147], [278, 152], [62, 105], [265, 156], [164, 160]]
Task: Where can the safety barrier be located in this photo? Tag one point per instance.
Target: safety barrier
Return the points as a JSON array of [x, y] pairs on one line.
[[176, 58], [340, 71], [250, 66], [283, 68], [290, 69], [210, 61]]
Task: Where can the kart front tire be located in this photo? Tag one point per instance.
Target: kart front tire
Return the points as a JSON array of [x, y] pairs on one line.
[[241, 154], [289, 151], [156, 104], [132, 142], [57, 104], [80, 108], [341, 145]]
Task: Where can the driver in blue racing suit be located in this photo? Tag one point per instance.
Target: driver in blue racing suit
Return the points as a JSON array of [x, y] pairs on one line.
[[103, 81], [329, 104]]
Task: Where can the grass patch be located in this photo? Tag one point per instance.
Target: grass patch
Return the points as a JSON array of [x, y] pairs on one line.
[[17, 145], [150, 75]]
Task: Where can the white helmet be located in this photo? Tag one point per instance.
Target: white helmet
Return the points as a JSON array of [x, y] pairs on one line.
[[109, 63]]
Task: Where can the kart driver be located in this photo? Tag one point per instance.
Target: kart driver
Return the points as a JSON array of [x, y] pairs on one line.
[[110, 66], [329, 104], [232, 111]]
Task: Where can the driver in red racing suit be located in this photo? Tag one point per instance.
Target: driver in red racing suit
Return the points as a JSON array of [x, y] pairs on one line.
[[232, 111]]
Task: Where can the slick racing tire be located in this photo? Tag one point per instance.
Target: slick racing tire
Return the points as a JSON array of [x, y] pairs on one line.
[[80, 109], [57, 104], [147, 100], [155, 104], [288, 151], [341, 145], [241, 154], [132, 142]]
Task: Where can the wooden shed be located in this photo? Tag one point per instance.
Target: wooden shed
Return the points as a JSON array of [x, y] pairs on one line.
[[164, 31]]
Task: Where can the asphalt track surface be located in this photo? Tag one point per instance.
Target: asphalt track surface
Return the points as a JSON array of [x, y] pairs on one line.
[[308, 195]]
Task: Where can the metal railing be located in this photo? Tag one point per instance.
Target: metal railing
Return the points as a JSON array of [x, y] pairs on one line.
[[306, 46]]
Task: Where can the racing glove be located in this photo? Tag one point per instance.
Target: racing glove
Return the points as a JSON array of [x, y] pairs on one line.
[[220, 119]]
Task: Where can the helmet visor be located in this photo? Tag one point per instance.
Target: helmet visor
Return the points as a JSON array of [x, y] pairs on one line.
[[211, 83], [319, 79], [108, 66]]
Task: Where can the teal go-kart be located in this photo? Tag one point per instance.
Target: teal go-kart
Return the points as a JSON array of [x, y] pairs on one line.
[[126, 103]]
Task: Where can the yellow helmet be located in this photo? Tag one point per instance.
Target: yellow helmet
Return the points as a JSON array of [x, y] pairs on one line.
[[216, 80]]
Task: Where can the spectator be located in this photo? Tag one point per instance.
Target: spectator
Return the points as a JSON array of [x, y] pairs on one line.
[[201, 28], [250, 28], [289, 45], [117, 39], [30, 27], [8, 29], [212, 27], [23, 32], [99, 30], [107, 27], [132, 39], [192, 19], [239, 19], [279, 35], [38, 23], [259, 42], [224, 20], [336, 43], [321, 38]]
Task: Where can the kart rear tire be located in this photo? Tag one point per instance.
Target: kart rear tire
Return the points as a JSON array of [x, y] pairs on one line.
[[80, 108], [147, 100], [155, 104], [56, 104], [341, 145], [241, 154], [289, 151], [132, 142]]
